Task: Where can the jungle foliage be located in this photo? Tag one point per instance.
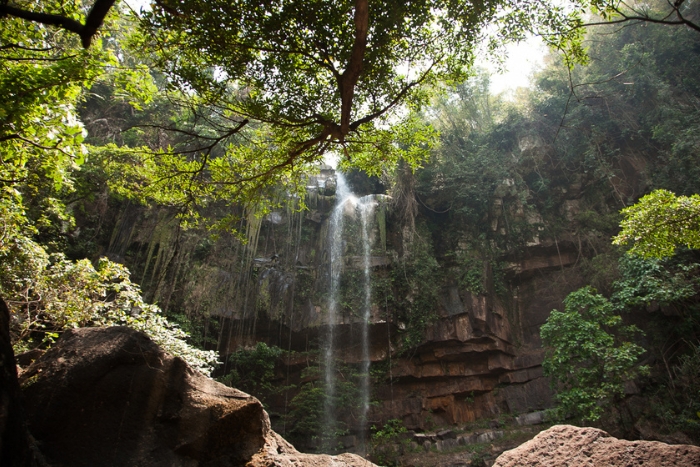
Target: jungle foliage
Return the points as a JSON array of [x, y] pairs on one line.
[[553, 166], [43, 75], [210, 115], [588, 357], [659, 223], [595, 355]]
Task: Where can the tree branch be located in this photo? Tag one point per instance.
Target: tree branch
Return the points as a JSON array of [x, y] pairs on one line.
[[348, 80], [394, 102], [86, 31]]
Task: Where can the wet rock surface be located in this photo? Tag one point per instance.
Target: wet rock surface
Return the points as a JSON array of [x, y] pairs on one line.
[[565, 445], [111, 397]]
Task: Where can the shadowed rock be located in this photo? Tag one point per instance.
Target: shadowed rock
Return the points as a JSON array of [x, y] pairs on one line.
[[112, 397], [15, 442]]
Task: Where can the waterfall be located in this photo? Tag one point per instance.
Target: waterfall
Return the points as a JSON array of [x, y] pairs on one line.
[[348, 214], [366, 207], [343, 195]]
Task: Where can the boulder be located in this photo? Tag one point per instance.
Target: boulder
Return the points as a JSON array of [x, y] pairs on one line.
[[112, 397], [565, 445], [279, 453]]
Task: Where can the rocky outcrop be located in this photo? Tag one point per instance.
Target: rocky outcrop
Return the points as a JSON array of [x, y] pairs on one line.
[[565, 445], [279, 453], [111, 397]]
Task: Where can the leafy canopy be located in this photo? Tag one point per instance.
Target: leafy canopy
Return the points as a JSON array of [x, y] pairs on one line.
[[43, 75], [285, 82], [659, 223]]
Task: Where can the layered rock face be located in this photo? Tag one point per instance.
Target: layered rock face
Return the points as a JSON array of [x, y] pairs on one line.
[[565, 445], [111, 397], [480, 358]]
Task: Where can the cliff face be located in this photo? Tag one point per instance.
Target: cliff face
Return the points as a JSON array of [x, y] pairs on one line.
[[453, 328]]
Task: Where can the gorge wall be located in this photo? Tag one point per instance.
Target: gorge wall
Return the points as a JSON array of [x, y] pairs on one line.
[[455, 309]]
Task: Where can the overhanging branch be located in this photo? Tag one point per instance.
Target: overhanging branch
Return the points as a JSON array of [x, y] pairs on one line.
[[86, 31]]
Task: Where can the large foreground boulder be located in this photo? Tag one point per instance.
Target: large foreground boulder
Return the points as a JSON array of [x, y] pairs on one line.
[[565, 445], [111, 397]]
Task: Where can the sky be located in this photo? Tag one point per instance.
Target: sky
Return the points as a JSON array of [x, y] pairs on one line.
[[523, 60]]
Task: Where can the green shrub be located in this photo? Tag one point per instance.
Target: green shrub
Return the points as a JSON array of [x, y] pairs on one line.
[[48, 293]]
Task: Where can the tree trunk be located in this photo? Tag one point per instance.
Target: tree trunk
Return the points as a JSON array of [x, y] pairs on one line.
[[15, 442]]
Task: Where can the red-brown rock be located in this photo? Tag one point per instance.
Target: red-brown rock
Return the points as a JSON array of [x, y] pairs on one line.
[[565, 445]]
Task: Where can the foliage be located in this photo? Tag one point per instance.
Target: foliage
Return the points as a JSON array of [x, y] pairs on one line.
[[48, 293], [309, 424], [679, 13], [84, 26], [41, 77], [684, 413], [473, 276], [260, 93], [669, 289], [416, 282], [385, 441], [651, 281], [472, 158], [307, 412], [659, 223], [587, 354], [253, 371]]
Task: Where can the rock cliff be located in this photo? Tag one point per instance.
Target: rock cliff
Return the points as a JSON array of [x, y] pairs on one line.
[[474, 317]]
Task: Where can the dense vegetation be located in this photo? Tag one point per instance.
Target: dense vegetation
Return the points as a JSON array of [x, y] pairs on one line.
[[562, 160], [203, 118]]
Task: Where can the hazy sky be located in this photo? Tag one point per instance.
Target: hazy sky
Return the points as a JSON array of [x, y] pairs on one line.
[[523, 59]]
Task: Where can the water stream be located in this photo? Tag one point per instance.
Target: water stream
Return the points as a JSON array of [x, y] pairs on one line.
[[366, 206], [360, 211], [337, 220]]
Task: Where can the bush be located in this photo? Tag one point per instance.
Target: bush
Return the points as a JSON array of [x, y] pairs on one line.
[[254, 370], [588, 356], [386, 442], [48, 293]]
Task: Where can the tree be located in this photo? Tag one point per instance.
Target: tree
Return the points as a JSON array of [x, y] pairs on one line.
[[587, 356], [42, 76], [68, 20], [672, 13], [321, 76], [660, 222], [253, 370], [278, 85]]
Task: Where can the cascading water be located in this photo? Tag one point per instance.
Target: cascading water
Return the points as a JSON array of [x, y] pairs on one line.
[[362, 210], [366, 206], [343, 195]]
